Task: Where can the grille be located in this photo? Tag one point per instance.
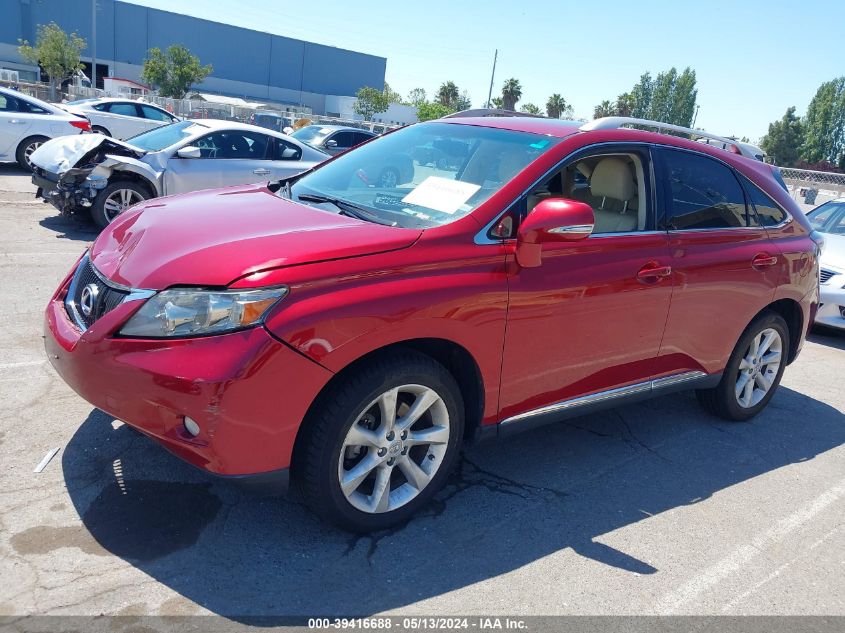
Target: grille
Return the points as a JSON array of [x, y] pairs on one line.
[[89, 297], [825, 275]]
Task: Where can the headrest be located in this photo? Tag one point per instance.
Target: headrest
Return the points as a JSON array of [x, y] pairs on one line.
[[612, 178]]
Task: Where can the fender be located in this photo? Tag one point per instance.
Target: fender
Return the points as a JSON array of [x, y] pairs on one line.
[[112, 164]]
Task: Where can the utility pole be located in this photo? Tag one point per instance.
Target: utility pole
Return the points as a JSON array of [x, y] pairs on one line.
[[94, 45], [695, 116], [490, 93]]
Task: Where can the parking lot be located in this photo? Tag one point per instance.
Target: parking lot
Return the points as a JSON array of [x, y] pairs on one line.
[[654, 508]]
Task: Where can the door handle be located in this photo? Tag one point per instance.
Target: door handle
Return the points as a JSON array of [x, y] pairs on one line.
[[261, 172], [653, 272], [18, 121], [763, 260]]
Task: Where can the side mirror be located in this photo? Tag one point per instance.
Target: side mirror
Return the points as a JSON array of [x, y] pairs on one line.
[[331, 143], [552, 220], [189, 151], [289, 153]]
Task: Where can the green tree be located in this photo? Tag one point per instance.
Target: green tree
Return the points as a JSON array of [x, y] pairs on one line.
[[556, 107], [391, 95], [429, 110], [173, 71], [511, 93], [825, 124], [56, 52], [447, 94], [416, 96], [672, 97], [625, 104], [605, 108], [497, 102], [784, 139], [641, 94], [530, 108], [463, 102], [369, 101]]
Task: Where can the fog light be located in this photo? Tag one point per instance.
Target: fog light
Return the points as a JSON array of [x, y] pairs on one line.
[[192, 427]]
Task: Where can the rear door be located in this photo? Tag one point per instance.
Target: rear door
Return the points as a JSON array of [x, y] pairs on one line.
[[123, 119], [725, 268], [228, 157]]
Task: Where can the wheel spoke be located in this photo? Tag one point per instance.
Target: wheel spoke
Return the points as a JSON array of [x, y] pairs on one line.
[[433, 435], [763, 381], [415, 475], [353, 478], [359, 436], [387, 406], [741, 384], [767, 342], [745, 364], [747, 394], [380, 499], [125, 196], [755, 346], [421, 405], [771, 358], [112, 205]]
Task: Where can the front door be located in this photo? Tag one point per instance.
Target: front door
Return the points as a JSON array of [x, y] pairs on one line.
[[590, 318]]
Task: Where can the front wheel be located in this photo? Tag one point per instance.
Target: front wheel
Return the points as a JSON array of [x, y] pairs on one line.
[[116, 198], [389, 178], [753, 372], [381, 443]]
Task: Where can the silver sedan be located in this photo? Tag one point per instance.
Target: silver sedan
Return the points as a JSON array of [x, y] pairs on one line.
[[105, 176]]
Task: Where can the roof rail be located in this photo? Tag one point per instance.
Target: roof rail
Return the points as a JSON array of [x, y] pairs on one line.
[[615, 122], [489, 112]]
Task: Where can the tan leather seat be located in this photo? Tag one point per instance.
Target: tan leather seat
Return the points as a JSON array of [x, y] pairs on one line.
[[612, 186]]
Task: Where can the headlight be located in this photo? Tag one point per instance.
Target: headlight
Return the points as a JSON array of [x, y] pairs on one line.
[[195, 312]]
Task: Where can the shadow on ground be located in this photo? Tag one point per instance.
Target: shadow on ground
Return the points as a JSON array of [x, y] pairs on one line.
[[831, 337], [70, 227], [510, 503]]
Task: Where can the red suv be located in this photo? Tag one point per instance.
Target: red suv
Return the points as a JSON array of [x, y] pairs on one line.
[[354, 334]]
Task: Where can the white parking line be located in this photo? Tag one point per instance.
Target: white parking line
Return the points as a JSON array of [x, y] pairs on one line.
[[737, 559], [28, 363]]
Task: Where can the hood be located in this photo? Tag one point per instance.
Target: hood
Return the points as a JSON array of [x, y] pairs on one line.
[[833, 255], [65, 152], [212, 237]]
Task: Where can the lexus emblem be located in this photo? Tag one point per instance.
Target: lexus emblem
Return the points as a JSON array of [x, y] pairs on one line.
[[88, 300]]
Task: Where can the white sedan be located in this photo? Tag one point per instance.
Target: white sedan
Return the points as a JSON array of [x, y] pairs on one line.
[[105, 176], [26, 122], [120, 118], [829, 219]]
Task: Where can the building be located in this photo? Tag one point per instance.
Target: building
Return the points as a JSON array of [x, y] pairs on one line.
[[253, 65]]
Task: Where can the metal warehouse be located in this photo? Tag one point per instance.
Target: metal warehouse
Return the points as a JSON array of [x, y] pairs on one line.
[[247, 63]]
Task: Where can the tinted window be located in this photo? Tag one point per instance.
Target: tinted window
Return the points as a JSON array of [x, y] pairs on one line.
[[233, 144], [8, 104], [155, 114], [828, 218], [102, 107], [768, 212], [126, 109], [704, 193], [344, 139], [31, 108], [360, 137], [286, 151]]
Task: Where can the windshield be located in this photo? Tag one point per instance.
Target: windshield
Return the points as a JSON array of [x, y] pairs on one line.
[[427, 174], [311, 134], [828, 218], [165, 136]]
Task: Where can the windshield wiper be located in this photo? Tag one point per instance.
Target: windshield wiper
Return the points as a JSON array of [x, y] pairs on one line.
[[346, 208]]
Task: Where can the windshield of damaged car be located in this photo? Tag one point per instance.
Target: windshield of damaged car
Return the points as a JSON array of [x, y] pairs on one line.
[[165, 136], [427, 174]]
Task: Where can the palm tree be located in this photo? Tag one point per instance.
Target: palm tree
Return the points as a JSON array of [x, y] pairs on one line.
[[448, 94], [556, 105], [511, 93], [530, 108], [605, 108]]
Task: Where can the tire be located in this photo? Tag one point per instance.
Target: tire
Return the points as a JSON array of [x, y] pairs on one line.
[[738, 402], [389, 178], [99, 129], [103, 210], [327, 452], [26, 147]]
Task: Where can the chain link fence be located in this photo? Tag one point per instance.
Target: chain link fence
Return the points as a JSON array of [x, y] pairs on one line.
[[812, 188]]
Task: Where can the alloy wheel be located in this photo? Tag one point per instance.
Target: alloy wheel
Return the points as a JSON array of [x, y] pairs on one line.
[[389, 179], [758, 368], [119, 200], [27, 152], [394, 449]]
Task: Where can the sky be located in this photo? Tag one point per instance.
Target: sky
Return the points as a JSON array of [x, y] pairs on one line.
[[753, 58]]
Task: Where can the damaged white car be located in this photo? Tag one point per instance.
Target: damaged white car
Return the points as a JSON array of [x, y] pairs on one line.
[[104, 176]]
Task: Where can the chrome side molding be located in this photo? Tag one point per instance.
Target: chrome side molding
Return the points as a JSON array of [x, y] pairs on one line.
[[640, 388]]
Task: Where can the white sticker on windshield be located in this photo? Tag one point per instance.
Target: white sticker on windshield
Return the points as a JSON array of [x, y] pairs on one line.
[[441, 194]]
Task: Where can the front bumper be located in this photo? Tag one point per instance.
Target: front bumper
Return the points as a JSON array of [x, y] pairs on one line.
[[247, 391], [832, 302], [67, 193]]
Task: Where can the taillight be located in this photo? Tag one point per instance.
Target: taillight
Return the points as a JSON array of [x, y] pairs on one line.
[[84, 125]]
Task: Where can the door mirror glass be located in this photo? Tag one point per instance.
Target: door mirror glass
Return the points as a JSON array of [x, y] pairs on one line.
[[189, 151], [552, 220], [289, 153]]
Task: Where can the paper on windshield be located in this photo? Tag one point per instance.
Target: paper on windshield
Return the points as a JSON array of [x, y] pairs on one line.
[[441, 194]]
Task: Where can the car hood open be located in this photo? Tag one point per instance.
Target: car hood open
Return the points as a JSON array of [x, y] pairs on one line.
[[60, 154], [211, 238]]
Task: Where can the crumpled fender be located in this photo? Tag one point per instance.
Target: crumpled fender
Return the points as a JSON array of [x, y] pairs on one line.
[[113, 163]]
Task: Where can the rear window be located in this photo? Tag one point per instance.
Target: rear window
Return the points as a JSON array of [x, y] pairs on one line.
[[768, 212]]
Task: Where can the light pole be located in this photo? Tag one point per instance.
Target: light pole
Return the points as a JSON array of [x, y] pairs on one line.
[[695, 116], [490, 93]]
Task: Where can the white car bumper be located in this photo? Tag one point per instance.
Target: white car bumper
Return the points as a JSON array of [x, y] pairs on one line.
[[832, 301]]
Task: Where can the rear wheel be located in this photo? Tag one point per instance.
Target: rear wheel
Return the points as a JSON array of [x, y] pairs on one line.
[[99, 129], [116, 198], [25, 149], [389, 178], [381, 443], [753, 372]]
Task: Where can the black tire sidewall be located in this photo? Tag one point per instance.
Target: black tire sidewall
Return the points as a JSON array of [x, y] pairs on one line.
[[98, 212], [431, 375], [21, 151], [727, 387]]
